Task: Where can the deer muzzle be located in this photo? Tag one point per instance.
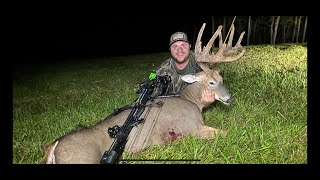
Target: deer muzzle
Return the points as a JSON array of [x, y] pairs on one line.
[[222, 94]]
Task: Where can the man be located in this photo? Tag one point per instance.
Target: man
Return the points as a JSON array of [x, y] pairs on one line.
[[182, 62]]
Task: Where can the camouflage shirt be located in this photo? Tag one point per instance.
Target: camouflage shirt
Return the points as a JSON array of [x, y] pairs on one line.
[[168, 67]]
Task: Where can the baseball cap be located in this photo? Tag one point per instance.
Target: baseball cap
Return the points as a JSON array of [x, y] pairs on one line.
[[178, 36]]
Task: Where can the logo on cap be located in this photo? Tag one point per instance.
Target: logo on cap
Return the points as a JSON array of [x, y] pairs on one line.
[[178, 36]]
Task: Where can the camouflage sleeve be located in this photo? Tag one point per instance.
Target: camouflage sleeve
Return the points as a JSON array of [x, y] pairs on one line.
[[176, 83]]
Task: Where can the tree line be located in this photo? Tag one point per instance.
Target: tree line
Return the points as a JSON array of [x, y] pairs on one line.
[[264, 29]]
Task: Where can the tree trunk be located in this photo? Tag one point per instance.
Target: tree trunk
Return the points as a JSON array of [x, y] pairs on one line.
[[284, 33], [275, 30], [297, 40], [249, 31], [254, 31], [305, 28], [265, 31], [294, 29], [271, 29]]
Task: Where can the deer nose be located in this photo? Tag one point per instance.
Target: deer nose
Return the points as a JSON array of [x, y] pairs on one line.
[[229, 101]]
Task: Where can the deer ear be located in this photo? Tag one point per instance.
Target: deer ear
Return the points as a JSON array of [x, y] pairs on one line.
[[189, 78]]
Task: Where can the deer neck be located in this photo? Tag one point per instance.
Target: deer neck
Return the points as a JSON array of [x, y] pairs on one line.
[[192, 92]]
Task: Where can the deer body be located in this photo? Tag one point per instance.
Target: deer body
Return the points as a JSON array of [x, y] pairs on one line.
[[167, 120], [176, 117]]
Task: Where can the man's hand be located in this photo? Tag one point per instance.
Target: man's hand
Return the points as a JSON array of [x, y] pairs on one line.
[[207, 96]]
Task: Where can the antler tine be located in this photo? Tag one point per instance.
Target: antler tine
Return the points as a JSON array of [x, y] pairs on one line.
[[198, 51], [203, 55], [198, 48], [213, 38], [238, 45], [220, 39], [228, 49], [231, 37]]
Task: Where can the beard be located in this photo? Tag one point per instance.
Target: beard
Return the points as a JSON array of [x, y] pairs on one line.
[[181, 61]]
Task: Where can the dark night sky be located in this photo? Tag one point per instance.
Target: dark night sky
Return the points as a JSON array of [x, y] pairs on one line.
[[83, 37]]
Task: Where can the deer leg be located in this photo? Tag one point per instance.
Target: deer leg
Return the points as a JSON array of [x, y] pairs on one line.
[[207, 132], [50, 158]]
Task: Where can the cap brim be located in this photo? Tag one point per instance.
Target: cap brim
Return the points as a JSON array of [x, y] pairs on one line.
[[178, 40]]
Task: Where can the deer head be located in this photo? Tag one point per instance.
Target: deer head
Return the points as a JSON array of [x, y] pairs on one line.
[[208, 61]]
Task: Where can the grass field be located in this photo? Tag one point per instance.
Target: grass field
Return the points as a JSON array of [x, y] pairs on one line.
[[267, 123]]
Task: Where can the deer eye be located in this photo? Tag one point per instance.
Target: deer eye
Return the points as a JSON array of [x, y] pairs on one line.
[[212, 83]]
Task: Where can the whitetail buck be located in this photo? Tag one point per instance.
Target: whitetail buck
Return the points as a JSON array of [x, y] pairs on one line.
[[169, 119]]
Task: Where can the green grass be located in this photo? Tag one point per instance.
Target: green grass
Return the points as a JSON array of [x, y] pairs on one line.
[[266, 124]]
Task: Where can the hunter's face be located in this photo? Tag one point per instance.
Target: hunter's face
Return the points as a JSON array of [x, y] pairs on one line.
[[180, 50]]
